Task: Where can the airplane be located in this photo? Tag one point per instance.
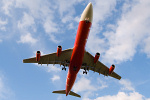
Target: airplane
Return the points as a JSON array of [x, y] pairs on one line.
[[76, 58]]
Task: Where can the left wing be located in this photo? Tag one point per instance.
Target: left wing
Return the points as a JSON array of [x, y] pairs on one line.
[[52, 58], [88, 63]]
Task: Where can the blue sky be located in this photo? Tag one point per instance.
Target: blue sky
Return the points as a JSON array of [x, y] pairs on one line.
[[120, 32]]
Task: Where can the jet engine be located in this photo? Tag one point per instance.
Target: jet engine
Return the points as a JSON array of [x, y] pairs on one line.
[[59, 48], [38, 55], [112, 67], [97, 55]]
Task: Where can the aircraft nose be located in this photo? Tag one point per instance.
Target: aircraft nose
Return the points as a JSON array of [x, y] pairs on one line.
[[87, 13]]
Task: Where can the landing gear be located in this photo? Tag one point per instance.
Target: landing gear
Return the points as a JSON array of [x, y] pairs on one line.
[[85, 70], [66, 63], [64, 68]]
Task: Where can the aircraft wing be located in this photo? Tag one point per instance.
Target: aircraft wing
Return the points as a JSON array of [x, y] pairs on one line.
[[88, 63], [52, 58]]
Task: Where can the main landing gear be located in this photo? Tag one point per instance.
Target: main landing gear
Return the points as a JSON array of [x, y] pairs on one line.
[[66, 63], [85, 71], [64, 68]]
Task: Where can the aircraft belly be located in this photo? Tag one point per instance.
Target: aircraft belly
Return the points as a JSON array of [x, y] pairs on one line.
[[77, 54], [79, 46]]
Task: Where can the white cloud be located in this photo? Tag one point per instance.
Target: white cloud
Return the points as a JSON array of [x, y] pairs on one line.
[[7, 6], [51, 28], [103, 84], [87, 87], [146, 46], [119, 45], [52, 68], [126, 85], [122, 96], [66, 6], [2, 24], [101, 10], [5, 92], [80, 85], [55, 78], [27, 39], [130, 32], [49, 68], [26, 21], [130, 94], [39, 12]]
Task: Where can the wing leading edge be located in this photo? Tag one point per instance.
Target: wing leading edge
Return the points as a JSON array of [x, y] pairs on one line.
[[52, 58]]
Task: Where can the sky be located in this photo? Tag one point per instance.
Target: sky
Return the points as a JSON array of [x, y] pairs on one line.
[[120, 32]]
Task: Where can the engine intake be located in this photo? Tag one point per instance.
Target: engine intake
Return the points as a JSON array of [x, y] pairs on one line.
[[59, 49], [38, 55], [112, 67], [97, 55]]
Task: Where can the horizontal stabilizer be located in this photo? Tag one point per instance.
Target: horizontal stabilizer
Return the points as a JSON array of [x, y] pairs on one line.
[[60, 92], [64, 92], [74, 94]]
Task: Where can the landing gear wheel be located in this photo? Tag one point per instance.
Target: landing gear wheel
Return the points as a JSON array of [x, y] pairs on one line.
[[64, 68], [85, 72]]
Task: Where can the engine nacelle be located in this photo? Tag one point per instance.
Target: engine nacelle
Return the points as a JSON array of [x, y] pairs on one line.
[[112, 67], [59, 49], [97, 55], [38, 55]]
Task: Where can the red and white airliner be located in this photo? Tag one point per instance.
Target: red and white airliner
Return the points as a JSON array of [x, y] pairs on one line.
[[76, 58]]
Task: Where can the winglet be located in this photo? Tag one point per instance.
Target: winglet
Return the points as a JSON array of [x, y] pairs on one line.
[[64, 92]]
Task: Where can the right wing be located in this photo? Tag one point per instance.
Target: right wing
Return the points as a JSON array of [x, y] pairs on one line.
[[88, 62], [52, 58]]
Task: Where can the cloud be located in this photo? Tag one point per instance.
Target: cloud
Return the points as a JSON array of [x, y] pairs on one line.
[[49, 68], [119, 42], [130, 32], [66, 6], [2, 24], [26, 21], [122, 96], [127, 92], [52, 68], [80, 85], [126, 85], [51, 28], [27, 38], [55, 78], [101, 11], [32, 15], [7, 6], [87, 87], [146, 46], [5, 92]]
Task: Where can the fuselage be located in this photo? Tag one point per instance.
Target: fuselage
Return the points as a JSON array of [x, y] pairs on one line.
[[79, 46]]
